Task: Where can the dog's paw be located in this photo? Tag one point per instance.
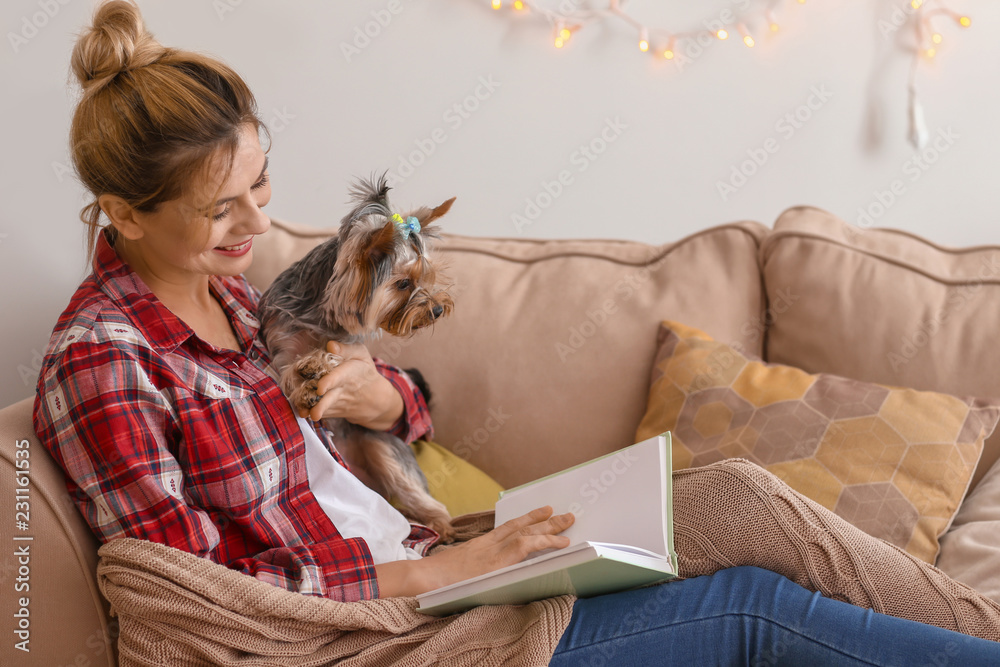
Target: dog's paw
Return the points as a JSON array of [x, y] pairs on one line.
[[310, 396], [305, 395], [316, 366], [443, 527]]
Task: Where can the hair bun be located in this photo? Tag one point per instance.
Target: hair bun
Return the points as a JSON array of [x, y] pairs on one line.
[[116, 42]]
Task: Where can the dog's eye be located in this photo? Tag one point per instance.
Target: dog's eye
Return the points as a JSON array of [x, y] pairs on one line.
[[403, 284]]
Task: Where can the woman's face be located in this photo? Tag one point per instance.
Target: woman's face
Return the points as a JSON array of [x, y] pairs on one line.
[[177, 243]]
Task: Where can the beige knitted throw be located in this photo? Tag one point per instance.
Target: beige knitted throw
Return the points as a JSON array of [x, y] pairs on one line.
[[736, 513], [177, 609]]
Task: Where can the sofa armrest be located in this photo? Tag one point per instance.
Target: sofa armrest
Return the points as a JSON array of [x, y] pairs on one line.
[[48, 584]]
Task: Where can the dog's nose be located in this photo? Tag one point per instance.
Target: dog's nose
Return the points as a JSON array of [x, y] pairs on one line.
[[436, 311]]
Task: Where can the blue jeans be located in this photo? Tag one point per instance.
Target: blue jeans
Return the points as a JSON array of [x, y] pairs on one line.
[[750, 616]]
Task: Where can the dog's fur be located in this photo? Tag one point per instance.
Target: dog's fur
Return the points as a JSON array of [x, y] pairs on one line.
[[368, 278]]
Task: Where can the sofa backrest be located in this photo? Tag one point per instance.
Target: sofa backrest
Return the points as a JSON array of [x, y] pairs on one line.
[[545, 361], [882, 305]]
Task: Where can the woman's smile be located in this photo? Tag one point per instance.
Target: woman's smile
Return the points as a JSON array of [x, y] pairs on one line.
[[237, 250]]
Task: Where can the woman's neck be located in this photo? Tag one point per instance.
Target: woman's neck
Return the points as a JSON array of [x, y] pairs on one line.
[[169, 284], [186, 295]]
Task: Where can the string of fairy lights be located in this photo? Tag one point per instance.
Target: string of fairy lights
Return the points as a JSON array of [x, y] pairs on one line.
[[928, 40], [568, 18]]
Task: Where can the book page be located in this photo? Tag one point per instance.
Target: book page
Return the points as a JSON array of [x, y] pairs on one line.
[[617, 499]]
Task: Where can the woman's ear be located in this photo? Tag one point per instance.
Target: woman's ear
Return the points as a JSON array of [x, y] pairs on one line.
[[122, 216]]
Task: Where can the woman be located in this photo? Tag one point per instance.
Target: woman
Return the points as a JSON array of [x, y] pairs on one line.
[[158, 400]]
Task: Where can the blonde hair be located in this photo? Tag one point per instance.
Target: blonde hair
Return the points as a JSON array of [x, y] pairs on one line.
[[151, 118]]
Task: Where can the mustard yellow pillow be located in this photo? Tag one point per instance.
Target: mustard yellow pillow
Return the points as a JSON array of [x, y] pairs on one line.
[[894, 462], [461, 486]]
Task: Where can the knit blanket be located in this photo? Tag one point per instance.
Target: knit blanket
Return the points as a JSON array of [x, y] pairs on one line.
[[175, 608], [736, 513]]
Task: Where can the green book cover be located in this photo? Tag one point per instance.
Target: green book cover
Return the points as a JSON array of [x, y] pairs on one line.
[[606, 553]]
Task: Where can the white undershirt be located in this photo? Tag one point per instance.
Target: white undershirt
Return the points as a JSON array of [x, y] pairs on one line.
[[354, 509]]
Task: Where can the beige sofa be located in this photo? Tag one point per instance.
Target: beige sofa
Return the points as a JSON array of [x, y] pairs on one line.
[[546, 362]]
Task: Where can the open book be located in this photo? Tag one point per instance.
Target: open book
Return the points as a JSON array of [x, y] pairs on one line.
[[622, 537]]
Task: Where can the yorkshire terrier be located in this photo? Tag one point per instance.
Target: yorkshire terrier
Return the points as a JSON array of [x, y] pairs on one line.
[[375, 275]]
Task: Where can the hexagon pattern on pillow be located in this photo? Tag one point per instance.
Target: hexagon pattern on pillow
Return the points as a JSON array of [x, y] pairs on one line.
[[894, 462]]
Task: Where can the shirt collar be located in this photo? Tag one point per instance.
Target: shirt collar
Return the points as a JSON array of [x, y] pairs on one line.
[[162, 329]]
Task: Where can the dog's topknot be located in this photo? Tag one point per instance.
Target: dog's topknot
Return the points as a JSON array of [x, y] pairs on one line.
[[370, 196]]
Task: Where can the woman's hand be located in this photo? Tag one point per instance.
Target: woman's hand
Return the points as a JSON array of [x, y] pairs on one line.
[[356, 391], [505, 545]]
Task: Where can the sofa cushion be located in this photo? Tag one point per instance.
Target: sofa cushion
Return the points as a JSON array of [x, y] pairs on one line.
[[462, 487], [970, 551], [884, 306], [544, 362], [894, 462]]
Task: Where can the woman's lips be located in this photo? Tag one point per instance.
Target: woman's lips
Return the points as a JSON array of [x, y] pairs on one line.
[[235, 250]]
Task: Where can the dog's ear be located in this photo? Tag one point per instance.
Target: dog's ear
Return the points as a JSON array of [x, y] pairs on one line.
[[427, 215], [377, 252], [367, 259], [438, 211]]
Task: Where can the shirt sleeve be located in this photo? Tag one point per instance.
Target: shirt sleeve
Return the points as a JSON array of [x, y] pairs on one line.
[[110, 429], [415, 422]]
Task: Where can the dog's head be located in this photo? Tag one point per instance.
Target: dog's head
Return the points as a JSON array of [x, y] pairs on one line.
[[384, 277]]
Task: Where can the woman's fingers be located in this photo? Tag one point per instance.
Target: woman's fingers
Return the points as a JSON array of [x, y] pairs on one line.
[[505, 545], [332, 378], [540, 521], [320, 410], [534, 531]]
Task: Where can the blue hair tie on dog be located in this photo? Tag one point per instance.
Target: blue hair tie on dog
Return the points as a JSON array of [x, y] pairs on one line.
[[411, 224]]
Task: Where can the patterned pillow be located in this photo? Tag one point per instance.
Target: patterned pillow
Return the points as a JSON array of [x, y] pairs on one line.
[[894, 462]]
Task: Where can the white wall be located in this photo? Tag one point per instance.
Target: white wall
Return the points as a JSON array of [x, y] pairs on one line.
[[681, 132]]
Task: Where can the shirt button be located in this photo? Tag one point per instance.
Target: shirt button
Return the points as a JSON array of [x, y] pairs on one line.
[[253, 354]]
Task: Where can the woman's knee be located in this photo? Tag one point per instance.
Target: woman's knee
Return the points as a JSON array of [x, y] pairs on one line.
[[754, 590], [731, 478]]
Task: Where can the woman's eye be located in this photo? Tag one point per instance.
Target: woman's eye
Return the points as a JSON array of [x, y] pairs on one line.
[[220, 216], [261, 183], [403, 284]]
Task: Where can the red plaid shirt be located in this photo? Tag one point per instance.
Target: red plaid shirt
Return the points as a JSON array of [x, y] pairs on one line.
[[166, 438]]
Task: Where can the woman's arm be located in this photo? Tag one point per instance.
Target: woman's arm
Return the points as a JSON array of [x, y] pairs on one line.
[[372, 394], [505, 545], [110, 429]]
